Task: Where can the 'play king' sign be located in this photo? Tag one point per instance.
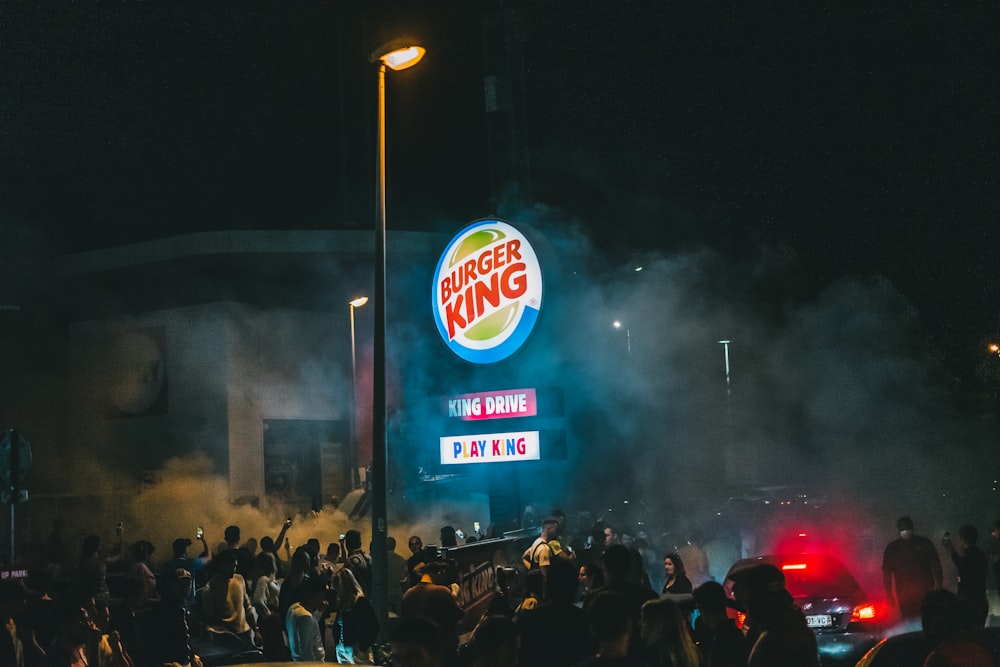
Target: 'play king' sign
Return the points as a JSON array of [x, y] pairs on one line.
[[490, 448], [487, 291]]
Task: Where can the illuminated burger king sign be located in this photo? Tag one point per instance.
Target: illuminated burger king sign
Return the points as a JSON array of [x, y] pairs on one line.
[[487, 291]]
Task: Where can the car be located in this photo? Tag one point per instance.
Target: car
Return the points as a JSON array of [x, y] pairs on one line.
[[846, 622]]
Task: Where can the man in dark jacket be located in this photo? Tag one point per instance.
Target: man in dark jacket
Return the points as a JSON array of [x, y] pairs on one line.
[[722, 644], [556, 618], [616, 561], [911, 566], [972, 570]]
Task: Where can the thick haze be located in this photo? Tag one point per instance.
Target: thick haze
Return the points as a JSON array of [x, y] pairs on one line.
[[835, 396]]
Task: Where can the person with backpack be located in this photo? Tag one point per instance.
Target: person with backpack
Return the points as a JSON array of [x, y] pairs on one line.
[[357, 561], [539, 554]]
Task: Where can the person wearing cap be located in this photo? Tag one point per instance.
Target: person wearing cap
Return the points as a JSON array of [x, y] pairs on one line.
[[910, 568], [181, 560], [777, 630]]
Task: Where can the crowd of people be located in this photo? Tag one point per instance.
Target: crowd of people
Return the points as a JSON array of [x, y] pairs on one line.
[[579, 603]]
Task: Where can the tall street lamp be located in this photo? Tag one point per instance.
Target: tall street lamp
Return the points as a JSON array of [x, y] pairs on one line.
[[353, 456], [396, 55]]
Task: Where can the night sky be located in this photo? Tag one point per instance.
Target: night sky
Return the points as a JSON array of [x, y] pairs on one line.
[[861, 140]]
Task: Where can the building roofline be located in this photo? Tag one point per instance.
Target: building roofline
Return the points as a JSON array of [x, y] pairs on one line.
[[243, 242]]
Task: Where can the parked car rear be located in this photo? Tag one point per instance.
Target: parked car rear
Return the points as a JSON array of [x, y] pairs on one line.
[[846, 622]]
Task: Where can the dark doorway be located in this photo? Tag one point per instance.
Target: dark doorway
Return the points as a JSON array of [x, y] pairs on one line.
[[306, 461]]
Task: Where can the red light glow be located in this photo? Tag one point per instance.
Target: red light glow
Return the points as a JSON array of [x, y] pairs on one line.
[[794, 566], [863, 612]]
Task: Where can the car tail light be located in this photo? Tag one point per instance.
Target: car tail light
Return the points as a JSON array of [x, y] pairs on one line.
[[863, 612], [741, 619], [794, 566]]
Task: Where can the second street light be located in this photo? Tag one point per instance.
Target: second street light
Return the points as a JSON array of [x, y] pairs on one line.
[[353, 458], [628, 334], [395, 55]]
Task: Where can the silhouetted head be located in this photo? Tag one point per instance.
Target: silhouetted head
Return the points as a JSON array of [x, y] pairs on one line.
[[969, 535], [91, 544], [943, 616], [710, 597], [616, 560], [312, 544], [180, 547], [352, 540]]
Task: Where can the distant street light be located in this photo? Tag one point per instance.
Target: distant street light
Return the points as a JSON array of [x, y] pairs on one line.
[[725, 344], [352, 458], [628, 334], [995, 349], [396, 55]]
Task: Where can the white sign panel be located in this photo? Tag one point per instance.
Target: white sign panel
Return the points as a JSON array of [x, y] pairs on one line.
[[490, 448]]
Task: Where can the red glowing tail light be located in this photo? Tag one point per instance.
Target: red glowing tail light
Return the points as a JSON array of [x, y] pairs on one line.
[[741, 619], [864, 612], [794, 566]]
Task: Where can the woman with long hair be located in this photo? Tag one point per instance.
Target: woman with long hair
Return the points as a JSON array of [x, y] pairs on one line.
[[356, 625], [591, 577], [264, 584], [266, 598], [677, 581], [299, 569], [666, 638]]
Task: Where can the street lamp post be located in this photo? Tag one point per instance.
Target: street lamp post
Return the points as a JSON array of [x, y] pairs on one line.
[[396, 55], [353, 456]]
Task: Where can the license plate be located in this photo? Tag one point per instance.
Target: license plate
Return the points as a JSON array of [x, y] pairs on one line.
[[819, 621]]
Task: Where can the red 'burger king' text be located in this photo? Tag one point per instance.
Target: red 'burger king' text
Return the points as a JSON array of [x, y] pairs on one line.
[[496, 272]]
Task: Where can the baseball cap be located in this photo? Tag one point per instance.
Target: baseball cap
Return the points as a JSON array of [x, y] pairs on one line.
[[760, 577], [181, 543]]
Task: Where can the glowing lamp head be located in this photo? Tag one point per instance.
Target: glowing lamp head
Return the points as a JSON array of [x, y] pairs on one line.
[[403, 58], [994, 348], [398, 54], [358, 302]]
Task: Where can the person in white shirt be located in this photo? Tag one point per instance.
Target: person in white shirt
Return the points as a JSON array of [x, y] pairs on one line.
[[305, 640]]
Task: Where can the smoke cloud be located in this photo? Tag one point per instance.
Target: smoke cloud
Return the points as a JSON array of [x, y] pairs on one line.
[[835, 403]]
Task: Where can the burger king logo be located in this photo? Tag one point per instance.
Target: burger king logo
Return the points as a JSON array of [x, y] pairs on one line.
[[487, 291]]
